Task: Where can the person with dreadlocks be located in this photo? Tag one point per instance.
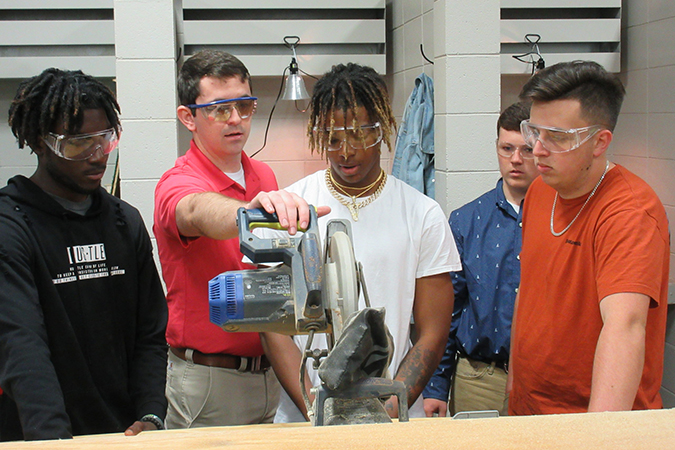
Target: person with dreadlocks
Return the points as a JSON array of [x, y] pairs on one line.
[[82, 310], [399, 235]]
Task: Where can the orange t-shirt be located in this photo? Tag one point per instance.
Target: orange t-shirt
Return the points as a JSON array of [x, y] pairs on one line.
[[619, 243]]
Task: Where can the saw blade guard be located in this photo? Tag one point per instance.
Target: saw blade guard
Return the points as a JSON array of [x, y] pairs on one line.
[[341, 287]]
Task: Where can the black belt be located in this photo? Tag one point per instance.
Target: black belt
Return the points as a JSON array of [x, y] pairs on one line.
[[225, 361], [504, 365]]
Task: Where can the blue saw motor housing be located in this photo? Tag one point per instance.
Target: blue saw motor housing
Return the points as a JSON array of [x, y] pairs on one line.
[[226, 295], [284, 299]]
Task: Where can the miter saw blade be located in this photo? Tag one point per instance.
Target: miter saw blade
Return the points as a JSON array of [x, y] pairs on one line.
[[341, 285]]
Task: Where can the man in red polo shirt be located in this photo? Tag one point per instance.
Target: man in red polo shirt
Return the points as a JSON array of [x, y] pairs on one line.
[[214, 377]]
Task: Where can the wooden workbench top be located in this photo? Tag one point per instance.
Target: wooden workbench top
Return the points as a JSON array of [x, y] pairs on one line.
[[598, 431]]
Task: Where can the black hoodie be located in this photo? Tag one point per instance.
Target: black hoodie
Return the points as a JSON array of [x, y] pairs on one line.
[[82, 317]]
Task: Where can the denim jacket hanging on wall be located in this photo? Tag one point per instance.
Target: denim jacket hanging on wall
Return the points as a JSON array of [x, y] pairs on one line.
[[414, 159]]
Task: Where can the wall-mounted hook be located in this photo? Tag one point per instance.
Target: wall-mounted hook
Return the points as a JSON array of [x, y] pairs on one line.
[[423, 55], [292, 42], [535, 58]]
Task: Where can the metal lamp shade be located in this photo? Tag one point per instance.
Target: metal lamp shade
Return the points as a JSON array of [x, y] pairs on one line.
[[295, 88]]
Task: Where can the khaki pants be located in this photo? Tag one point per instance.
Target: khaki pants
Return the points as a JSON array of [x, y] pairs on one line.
[[203, 396], [478, 386]]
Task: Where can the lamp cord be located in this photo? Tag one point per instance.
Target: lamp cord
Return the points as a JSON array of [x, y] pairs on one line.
[[281, 88], [309, 75], [269, 119]]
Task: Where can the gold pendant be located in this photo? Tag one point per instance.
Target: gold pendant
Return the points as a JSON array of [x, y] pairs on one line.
[[354, 210]]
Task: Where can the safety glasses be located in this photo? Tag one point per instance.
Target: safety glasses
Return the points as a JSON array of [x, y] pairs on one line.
[[359, 138], [221, 110], [557, 140], [82, 146], [507, 150]]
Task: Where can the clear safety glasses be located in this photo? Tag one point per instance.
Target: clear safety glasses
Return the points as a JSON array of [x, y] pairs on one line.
[[557, 140], [507, 150], [359, 138], [221, 110], [82, 146]]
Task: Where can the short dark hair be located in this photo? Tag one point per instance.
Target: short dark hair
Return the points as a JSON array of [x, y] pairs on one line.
[[344, 88], [599, 92], [208, 63], [511, 117], [58, 95]]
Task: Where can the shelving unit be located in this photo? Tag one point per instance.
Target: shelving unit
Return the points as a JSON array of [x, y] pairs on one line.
[[569, 30], [69, 34], [254, 31]]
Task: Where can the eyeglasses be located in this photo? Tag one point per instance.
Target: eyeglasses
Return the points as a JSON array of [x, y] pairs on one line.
[[507, 150], [359, 138], [82, 146], [556, 140], [221, 110]]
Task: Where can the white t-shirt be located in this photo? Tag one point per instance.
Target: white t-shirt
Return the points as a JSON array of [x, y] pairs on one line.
[[399, 237], [238, 177]]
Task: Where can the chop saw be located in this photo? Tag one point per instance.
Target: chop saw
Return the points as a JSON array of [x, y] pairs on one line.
[[310, 290]]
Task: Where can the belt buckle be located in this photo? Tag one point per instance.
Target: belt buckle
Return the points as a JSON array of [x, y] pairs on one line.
[[250, 364]]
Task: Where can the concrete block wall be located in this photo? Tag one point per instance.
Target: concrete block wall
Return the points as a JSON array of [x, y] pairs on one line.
[[13, 160], [146, 79], [411, 26], [668, 384], [645, 134], [462, 38], [467, 69]]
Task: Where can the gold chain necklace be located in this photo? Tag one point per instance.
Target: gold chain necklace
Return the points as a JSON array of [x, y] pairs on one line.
[[361, 191], [352, 205], [555, 200]]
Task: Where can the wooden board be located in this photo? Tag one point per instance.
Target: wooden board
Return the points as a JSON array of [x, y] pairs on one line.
[[599, 431]]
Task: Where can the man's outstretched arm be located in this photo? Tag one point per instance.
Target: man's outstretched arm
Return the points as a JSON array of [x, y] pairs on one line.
[[214, 215]]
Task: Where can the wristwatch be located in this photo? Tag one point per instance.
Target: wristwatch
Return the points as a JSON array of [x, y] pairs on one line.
[[153, 419]]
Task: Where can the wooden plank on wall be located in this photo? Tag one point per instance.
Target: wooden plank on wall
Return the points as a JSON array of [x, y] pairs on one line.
[[562, 30], [24, 67], [329, 32], [273, 65], [567, 29], [560, 3], [57, 4], [286, 4], [57, 32], [245, 32]]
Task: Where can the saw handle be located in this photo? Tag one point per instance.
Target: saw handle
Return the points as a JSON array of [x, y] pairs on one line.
[[259, 218], [261, 250]]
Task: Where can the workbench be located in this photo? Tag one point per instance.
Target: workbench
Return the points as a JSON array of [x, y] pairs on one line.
[[598, 431]]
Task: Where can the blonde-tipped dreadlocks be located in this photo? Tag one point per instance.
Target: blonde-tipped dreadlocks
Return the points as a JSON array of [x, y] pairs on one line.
[[345, 88], [58, 95]]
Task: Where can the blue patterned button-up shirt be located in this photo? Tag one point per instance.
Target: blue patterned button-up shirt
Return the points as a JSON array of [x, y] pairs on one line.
[[488, 236]]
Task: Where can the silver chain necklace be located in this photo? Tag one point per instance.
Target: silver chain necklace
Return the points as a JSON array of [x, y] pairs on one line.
[[582, 207]]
